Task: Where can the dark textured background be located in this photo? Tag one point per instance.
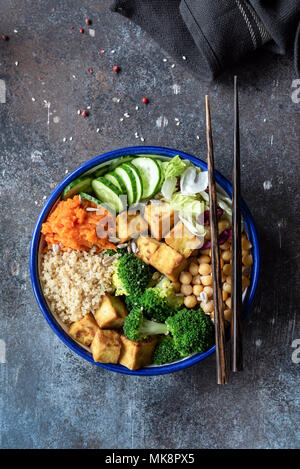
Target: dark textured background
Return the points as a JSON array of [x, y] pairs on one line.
[[50, 397]]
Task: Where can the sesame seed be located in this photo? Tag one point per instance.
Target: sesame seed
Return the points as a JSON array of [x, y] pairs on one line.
[[98, 130], [16, 63], [197, 137], [121, 120], [33, 99], [176, 119], [165, 60], [142, 139], [113, 51], [64, 139], [71, 138], [78, 112], [88, 107], [183, 57], [66, 171], [178, 123], [136, 108], [173, 66], [126, 114]]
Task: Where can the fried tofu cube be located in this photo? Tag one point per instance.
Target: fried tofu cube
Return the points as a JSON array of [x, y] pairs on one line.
[[111, 313], [84, 330], [106, 346], [135, 355], [168, 261], [146, 247], [130, 226], [182, 240], [160, 218]]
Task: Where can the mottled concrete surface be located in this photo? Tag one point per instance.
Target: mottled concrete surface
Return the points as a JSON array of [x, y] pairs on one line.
[[51, 398]]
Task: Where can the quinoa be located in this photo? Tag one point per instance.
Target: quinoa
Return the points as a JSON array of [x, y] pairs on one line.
[[74, 282]]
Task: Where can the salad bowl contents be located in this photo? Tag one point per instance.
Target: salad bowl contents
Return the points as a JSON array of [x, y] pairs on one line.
[[124, 263]]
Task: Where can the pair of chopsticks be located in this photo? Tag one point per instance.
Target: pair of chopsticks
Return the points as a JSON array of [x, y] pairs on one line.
[[236, 356]]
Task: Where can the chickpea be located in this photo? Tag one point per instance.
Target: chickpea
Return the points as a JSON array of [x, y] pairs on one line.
[[245, 252], [212, 315], [225, 246], [209, 291], [204, 259], [193, 269], [208, 307], [247, 260], [176, 287], [224, 295], [196, 280], [186, 289], [227, 314], [245, 282], [205, 269], [205, 252], [223, 225], [226, 256], [227, 269], [197, 289], [185, 278], [206, 280], [227, 287], [207, 235], [223, 277], [190, 301], [222, 263], [246, 244], [228, 302], [228, 279], [246, 271]]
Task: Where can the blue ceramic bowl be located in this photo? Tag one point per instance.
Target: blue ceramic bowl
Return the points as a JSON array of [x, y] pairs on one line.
[[34, 253]]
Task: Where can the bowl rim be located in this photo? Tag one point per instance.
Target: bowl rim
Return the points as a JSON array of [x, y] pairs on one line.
[[34, 246]]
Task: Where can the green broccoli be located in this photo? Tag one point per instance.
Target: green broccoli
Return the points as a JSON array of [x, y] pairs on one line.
[[166, 352], [131, 275], [159, 302], [137, 328], [192, 330], [111, 252]]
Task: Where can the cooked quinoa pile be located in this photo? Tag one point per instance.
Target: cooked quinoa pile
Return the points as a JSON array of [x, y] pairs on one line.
[[73, 282]]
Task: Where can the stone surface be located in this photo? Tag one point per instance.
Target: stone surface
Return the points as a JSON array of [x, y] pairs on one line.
[[51, 398]]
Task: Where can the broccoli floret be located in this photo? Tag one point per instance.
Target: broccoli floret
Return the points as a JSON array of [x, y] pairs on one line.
[[192, 330], [111, 252], [159, 302], [131, 276], [165, 351], [137, 328]]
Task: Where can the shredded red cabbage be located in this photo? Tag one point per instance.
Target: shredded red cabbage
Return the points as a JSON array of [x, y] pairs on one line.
[[220, 212], [226, 235]]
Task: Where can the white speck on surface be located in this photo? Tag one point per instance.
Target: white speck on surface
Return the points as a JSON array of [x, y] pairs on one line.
[[258, 342], [136, 108], [126, 115], [183, 57], [78, 112], [142, 139], [16, 63], [265, 120], [165, 60], [64, 139], [36, 202], [92, 32], [177, 123], [56, 119], [121, 120], [271, 139], [98, 130], [33, 99], [15, 31], [161, 121], [112, 51], [44, 197], [116, 100], [176, 88], [176, 119], [71, 138], [173, 66], [198, 137], [2, 92], [267, 185], [36, 156], [74, 76], [89, 107], [66, 171]]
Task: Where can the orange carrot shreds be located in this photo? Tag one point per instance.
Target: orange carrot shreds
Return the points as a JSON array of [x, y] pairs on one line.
[[71, 225]]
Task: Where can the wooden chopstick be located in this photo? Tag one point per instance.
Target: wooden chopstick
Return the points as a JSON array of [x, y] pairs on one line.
[[221, 361], [236, 345]]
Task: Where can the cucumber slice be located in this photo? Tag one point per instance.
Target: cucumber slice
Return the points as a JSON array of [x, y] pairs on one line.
[[138, 180], [118, 161], [150, 172], [116, 180], [76, 186], [108, 193], [90, 198], [129, 181]]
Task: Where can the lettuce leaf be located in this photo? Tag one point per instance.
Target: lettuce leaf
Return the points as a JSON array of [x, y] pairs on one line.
[[174, 168]]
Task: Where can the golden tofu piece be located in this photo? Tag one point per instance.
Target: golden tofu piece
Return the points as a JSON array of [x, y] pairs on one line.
[[146, 247], [182, 240], [106, 346], [160, 218], [130, 226], [112, 312], [135, 355], [168, 261], [84, 330]]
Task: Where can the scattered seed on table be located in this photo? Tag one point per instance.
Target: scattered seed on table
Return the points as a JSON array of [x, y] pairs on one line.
[[33, 99], [79, 112], [89, 107], [64, 139], [90, 70], [88, 21], [15, 31], [102, 51], [98, 130], [116, 68], [136, 108], [81, 30], [197, 137], [72, 27], [4, 37], [142, 139], [121, 120], [16, 63], [178, 123], [84, 113], [165, 60], [66, 171], [176, 119], [173, 66], [145, 100], [183, 57], [126, 114], [112, 51], [71, 138]]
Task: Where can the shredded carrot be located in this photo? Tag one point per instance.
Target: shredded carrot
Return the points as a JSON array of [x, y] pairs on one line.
[[70, 225]]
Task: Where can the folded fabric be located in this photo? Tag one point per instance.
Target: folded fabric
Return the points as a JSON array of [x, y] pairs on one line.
[[213, 34]]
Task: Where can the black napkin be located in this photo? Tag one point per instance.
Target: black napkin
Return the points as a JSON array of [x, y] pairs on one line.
[[209, 35]]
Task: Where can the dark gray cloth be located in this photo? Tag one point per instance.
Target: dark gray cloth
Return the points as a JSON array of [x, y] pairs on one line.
[[214, 34]]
